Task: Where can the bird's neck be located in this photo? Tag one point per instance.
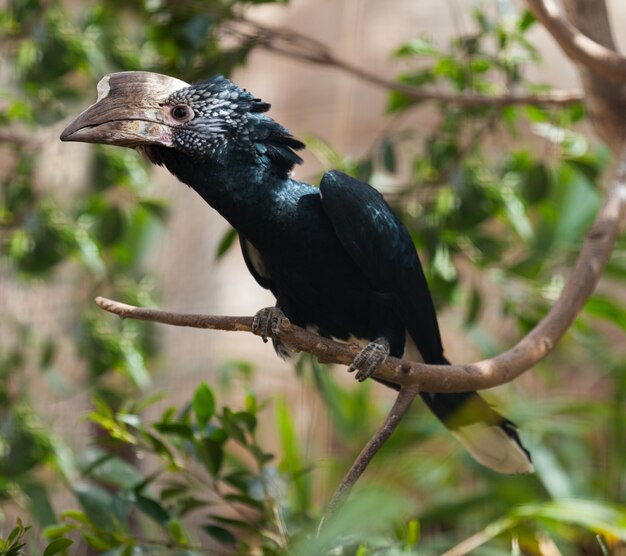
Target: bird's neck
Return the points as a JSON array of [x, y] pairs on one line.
[[243, 189]]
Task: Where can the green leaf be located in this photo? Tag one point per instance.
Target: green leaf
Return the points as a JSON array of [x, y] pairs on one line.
[[526, 21], [557, 481], [595, 516], [153, 509], [417, 47], [607, 308], [56, 546], [248, 420], [442, 264], [387, 505], [480, 65], [535, 183], [130, 419], [348, 411], [577, 204], [412, 533], [588, 165], [220, 534], [517, 216], [39, 503], [238, 479], [53, 531], [212, 454], [156, 207], [98, 505], [47, 354], [397, 101], [485, 24], [234, 369], [128, 550], [176, 532], [292, 459], [14, 538], [260, 455], [98, 541], [76, 515], [232, 427], [110, 226], [173, 490], [135, 363], [176, 429], [228, 239], [145, 482], [89, 251], [388, 155], [110, 469], [474, 306], [235, 523], [188, 504], [158, 446], [203, 404], [245, 500]]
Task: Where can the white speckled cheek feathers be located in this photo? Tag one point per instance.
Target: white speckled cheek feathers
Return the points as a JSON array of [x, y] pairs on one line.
[[219, 118]]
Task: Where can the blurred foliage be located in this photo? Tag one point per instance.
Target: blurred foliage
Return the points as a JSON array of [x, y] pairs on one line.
[[505, 192]]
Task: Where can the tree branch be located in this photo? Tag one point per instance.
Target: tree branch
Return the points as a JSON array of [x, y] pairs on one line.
[[605, 100], [489, 373], [301, 47], [576, 45], [18, 136], [398, 411]]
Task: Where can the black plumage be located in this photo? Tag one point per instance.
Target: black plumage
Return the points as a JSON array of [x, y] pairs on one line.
[[336, 257]]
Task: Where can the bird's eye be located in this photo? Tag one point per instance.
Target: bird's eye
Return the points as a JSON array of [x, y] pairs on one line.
[[181, 113]]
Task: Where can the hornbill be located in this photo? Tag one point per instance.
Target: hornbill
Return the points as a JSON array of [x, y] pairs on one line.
[[336, 257]]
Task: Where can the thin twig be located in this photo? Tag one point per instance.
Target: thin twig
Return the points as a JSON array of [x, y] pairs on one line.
[[19, 137], [480, 538], [538, 343], [576, 45], [400, 407], [301, 47]]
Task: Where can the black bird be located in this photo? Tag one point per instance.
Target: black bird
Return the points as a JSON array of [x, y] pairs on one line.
[[336, 257]]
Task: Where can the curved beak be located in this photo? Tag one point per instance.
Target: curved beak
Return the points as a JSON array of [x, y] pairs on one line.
[[128, 112]]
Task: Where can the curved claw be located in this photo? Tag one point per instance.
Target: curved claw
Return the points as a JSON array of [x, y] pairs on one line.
[[371, 357], [267, 321]]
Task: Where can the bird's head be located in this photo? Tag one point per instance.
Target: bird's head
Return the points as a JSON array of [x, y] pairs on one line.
[[206, 120]]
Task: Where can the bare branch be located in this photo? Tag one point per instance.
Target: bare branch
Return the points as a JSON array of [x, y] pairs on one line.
[[299, 339], [400, 407], [576, 45], [18, 136], [489, 373], [301, 47], [605, 100]]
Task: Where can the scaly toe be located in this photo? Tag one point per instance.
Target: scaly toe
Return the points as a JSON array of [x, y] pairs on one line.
[[368, 360], [267, 321], [256, 325]]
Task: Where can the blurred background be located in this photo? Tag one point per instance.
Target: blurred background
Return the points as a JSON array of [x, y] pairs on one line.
[[104, 417]]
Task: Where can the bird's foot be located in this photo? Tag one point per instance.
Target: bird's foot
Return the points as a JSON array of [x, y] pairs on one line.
[[267, 321], [371, 357]]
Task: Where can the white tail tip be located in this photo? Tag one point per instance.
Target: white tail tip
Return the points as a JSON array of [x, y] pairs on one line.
[[493, 448]]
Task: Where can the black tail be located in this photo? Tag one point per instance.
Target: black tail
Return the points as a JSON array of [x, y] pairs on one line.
[[489, 437]]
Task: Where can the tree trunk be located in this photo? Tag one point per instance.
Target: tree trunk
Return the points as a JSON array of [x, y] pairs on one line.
[[605, 100]]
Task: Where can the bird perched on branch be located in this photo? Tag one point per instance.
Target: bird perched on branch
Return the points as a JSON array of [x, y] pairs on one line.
[[336, 257]]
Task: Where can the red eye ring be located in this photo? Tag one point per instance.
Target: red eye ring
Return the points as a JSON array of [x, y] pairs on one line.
[[181, 113]]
